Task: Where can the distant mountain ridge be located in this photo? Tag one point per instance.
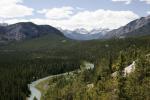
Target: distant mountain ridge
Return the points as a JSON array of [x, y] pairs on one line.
[[138, 27], [26, 30], [83, 34], [3, 24]]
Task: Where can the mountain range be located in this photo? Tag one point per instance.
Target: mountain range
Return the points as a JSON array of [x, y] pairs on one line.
[[29, 30], [83, 34]]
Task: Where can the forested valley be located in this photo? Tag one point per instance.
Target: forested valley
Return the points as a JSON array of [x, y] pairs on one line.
[[20, 65]]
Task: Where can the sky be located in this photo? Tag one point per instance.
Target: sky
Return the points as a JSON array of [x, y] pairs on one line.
[[73, 14]]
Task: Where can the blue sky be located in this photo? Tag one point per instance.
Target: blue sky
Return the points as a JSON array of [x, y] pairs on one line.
[[136, 6], [72, 14]]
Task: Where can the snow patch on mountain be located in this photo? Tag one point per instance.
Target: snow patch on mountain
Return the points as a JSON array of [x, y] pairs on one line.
[[83, 34]]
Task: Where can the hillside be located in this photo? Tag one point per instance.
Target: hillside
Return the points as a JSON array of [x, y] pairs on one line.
[[26, 30], [138, 27], [27, 61], [42, 42], [98, 84]]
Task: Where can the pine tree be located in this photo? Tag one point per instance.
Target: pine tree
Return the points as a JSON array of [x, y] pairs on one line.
[[120, 77], [110, 63]]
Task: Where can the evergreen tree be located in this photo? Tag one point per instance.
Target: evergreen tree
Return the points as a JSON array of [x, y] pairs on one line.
[[120, 77], [110, 63]]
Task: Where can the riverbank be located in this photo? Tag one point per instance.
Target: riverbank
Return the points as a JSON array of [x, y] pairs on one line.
[[37, 90]]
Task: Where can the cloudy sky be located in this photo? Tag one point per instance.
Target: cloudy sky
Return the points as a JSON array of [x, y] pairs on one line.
[[72, 14]]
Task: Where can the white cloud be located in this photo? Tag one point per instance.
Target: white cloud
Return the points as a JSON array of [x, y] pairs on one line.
[[88, 19], [126, 1], [57, 13], [14, 8], [102, 19], [148, 12], [147, 1], [129, 1]]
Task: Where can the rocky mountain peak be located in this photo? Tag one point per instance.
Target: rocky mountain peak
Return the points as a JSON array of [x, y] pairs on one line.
[[24, 30]]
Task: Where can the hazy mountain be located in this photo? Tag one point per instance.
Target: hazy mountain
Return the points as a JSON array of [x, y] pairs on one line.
[[83, 34], [26, 30], [139, 27], [3, 24]]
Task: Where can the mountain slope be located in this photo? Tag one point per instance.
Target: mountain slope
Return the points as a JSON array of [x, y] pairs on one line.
[[45, 42], [26, 30], [139, 27]]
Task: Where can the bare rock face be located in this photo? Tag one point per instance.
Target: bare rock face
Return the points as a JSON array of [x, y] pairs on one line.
[[25, 30], [137, 27]]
